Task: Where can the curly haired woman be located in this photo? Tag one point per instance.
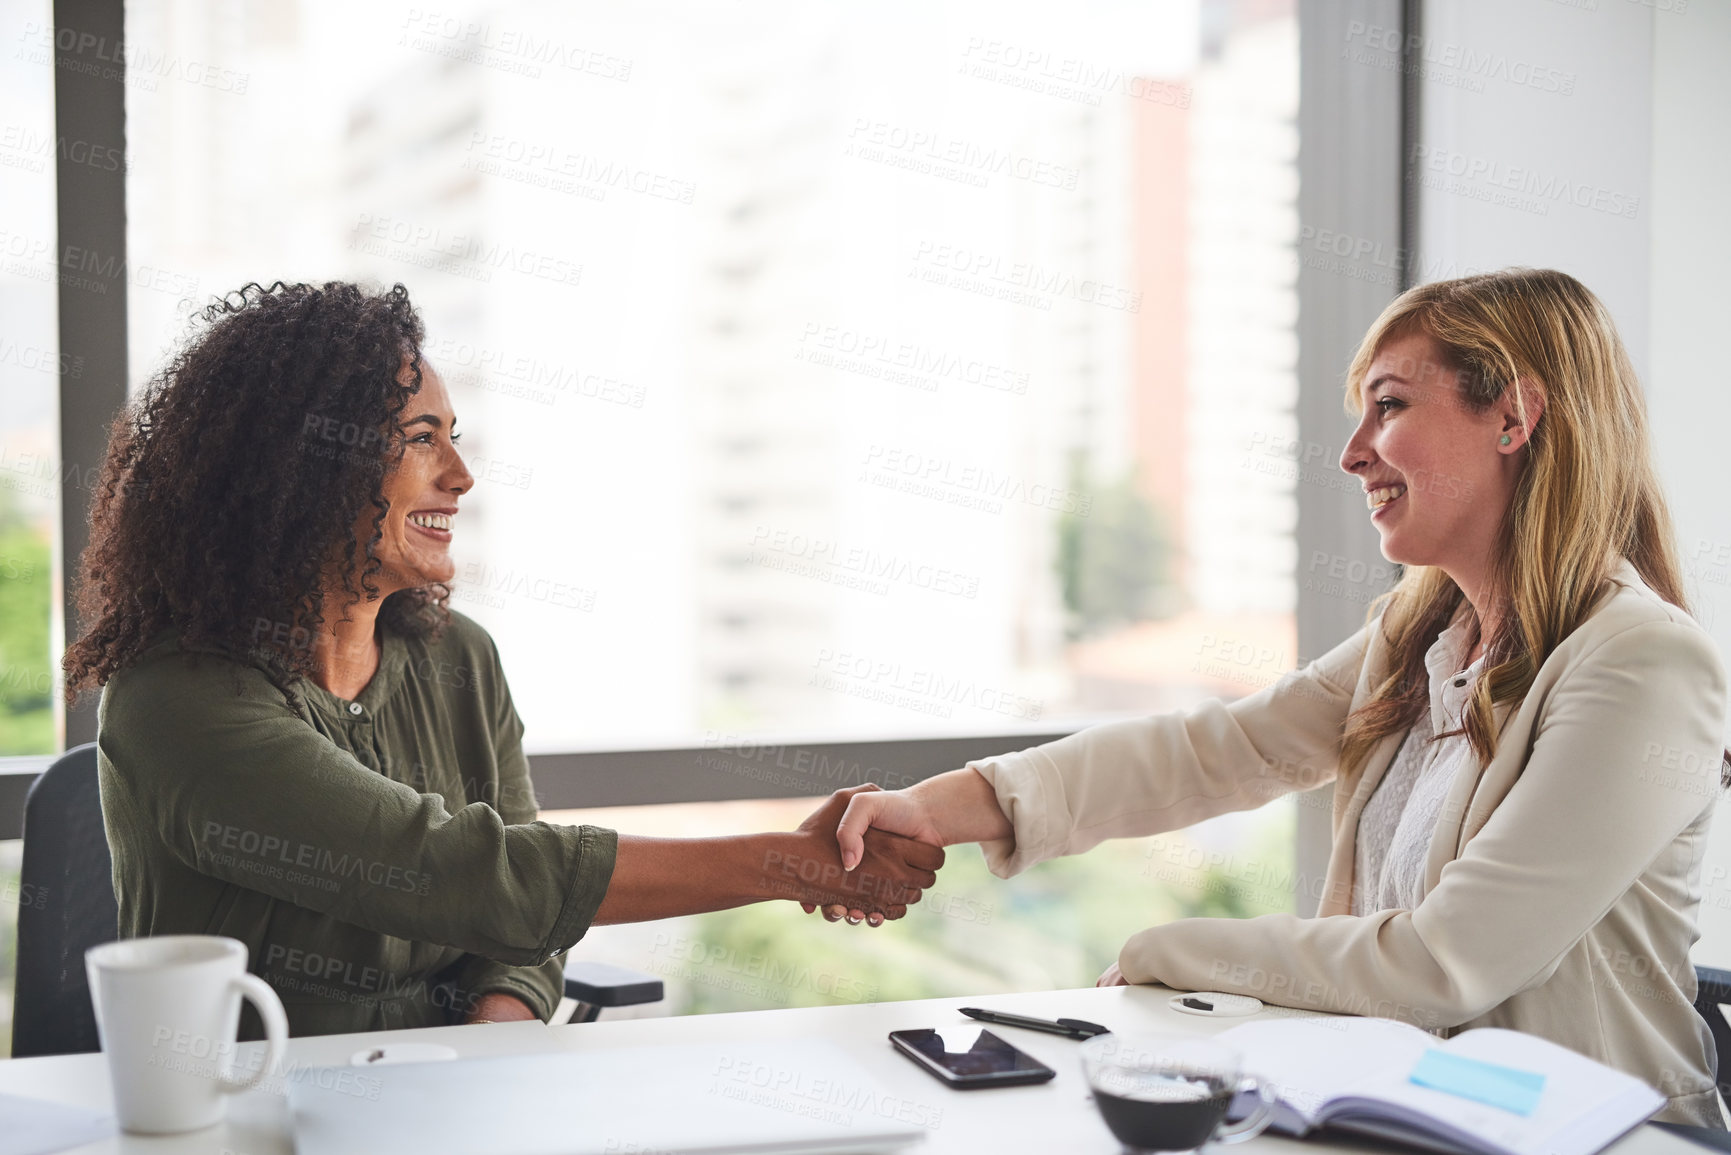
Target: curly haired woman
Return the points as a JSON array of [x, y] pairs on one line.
[[1525, 740], [302, 747]]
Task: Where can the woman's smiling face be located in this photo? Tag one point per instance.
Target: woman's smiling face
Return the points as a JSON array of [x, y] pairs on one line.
[[422, 490], [1435, 473]]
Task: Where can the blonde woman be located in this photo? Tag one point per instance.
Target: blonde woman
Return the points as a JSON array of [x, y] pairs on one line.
[[1525, 739]]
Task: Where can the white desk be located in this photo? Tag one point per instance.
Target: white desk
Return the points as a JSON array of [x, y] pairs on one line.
[[1051, 1117]]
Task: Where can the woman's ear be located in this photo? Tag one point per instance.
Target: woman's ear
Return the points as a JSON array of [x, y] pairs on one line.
[[1520, 409]]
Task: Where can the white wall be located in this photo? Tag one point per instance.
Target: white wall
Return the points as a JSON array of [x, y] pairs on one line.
[[1590, 136], [1686, 377], [1528, 106]]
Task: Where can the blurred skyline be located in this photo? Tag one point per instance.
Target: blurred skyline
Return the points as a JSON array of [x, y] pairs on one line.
[[834, 372], [843, 372]]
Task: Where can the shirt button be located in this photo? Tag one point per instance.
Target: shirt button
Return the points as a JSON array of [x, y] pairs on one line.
[[355, 707]]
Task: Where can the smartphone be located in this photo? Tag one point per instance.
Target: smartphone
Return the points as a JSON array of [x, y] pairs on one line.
[[968, 1058]]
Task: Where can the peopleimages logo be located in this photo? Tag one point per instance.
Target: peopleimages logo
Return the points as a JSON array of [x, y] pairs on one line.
[[1537, 188], [1032, 280], [494, 368], [548, 165], [140, 64], [509, 49], [776, 548], [881, 140], [917, 688], [1456, 64], [924, 367], [414, 243], [934, 475], [1066, 77], [300, 863], [37, 147]]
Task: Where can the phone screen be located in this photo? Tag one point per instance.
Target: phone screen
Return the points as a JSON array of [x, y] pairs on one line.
[[969, 1055]]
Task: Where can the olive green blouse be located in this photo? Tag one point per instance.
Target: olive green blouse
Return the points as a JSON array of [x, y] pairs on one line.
[[379, 857]]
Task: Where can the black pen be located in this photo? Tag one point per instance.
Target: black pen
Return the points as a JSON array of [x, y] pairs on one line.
[[1069, 1028]]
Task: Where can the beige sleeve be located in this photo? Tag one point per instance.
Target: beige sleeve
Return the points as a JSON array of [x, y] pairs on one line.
[[1148, 775], [1597, 803]]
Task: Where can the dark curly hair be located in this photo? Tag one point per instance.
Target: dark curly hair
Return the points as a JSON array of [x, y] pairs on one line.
[[234, 481]]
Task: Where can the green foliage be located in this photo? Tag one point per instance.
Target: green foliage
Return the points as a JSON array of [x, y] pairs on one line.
[[29, 732], [1055, 926], [26, 676], [1113, 558]]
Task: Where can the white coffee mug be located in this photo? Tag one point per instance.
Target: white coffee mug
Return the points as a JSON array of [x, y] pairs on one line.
[[168, 1011]]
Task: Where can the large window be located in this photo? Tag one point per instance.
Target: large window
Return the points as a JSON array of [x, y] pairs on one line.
[[32, 370], [828, 372], [840, 371]]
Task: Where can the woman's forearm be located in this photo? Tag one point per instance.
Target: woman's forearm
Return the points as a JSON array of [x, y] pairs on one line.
[[667, 877], [957, 806], [499, 1007], [962, 807]]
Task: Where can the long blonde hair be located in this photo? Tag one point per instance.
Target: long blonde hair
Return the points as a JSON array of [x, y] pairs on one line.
[[1586, 495]]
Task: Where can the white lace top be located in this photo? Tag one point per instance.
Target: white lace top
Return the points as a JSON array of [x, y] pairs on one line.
[[1395, 829]]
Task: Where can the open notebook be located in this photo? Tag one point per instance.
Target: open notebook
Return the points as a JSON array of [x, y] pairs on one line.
[[1355, 1074]]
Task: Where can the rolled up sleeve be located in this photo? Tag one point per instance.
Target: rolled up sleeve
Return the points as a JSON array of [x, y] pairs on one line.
[[238, 787], [540, 987]]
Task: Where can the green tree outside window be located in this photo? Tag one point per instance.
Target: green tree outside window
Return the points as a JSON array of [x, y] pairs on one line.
[[26, 673]]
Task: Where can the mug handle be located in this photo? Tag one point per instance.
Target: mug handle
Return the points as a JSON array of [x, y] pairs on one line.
[[1256, 1122], [259, 993]]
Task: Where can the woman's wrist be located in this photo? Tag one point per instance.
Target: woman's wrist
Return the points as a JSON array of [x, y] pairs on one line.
[[500, 1007], [776, 864], [961, 806], [769, 867]]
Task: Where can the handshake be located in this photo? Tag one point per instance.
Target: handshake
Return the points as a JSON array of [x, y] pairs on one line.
[[865, 855]]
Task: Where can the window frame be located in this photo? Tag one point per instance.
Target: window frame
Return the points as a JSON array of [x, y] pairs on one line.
[[1354, 122]]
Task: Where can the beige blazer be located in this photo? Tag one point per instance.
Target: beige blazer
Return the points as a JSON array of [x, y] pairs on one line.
[[1563, 881]]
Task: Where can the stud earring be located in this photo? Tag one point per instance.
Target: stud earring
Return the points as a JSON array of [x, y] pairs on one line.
[[1505, 440]]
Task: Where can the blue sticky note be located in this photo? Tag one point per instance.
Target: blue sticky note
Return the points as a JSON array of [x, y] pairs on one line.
[[1504, 1087]]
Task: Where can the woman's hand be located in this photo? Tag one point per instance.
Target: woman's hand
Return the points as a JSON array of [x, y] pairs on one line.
[[1112, 977], [893, 811], [498, 1007], [959, 806], [885, 877], [657, 878], [871, 808]]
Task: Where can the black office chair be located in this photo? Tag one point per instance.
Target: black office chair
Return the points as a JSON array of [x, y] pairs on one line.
[[1713, 994], [66, 906], [597, 985]]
